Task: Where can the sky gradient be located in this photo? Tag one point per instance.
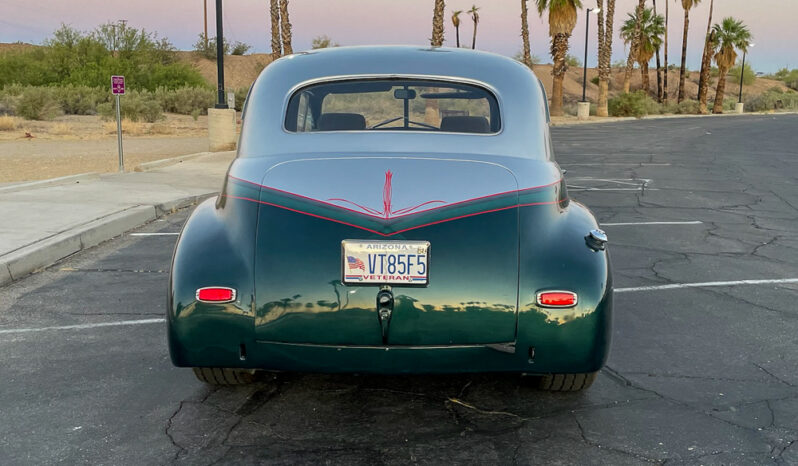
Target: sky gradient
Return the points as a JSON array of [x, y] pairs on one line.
[[360, 22]]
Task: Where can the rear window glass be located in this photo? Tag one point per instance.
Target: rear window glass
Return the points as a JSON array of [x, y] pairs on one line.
[[393, 104]]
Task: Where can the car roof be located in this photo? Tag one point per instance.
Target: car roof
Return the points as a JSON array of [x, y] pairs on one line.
[[517, 89]]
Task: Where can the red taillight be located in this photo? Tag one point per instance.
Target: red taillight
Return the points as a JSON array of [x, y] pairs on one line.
[[556, 299], [216, 294]]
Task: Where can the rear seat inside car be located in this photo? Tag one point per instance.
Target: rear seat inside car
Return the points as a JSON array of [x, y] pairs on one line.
[[341, 121], [465, 124]]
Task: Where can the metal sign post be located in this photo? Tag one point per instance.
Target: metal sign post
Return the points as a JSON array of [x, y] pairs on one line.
[[117, 89]]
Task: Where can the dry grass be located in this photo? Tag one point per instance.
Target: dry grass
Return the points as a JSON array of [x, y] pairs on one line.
[[61, 129], [161, 128], [8, 123], [129, 127]]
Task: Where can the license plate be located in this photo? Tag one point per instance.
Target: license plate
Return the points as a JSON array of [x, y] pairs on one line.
[[385, 262]]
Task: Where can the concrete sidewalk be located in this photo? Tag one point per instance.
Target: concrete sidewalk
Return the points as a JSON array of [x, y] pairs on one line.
[[43, 223]]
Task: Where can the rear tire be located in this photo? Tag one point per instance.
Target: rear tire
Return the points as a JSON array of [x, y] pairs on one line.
[[567, 382], [220, 376]]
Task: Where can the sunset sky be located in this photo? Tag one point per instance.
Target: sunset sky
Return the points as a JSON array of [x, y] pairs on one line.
[[359, 22]]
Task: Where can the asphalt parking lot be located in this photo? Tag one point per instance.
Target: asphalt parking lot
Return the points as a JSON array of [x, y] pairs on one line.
[[702, 216]]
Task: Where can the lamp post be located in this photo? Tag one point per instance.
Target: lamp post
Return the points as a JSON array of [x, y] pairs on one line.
[[220, 56], [742, 74], [584, 68]]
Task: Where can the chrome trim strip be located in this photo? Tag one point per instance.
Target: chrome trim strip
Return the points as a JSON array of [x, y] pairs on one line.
[[549, 306], [196, 295], [490, 346]]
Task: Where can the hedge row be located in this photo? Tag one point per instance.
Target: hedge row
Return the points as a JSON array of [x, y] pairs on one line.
[[47, 102]]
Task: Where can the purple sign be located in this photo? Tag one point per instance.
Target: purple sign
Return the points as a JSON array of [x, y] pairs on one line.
[[118, 85]]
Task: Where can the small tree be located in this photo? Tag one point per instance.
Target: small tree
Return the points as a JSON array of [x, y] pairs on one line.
[[207, 48], [322, 42], [240, 48]]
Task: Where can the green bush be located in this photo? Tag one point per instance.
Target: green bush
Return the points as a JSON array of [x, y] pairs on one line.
[[186, 100], [595, 80], [38, 103], [81, 100], [207, 48], [239, 48], [636, 104], [135, 106], [89, 59], [685, 107], [789, 77], [241, 96], [748, 76], [772, 99], [573, 61]]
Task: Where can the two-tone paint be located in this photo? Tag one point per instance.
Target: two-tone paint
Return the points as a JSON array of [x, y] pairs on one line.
[[493, 207]]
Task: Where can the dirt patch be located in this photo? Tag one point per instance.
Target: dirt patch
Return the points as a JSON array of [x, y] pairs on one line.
[[74, 144]]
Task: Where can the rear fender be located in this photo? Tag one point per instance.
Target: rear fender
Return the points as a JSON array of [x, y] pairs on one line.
[[555, 256], [215, 248]]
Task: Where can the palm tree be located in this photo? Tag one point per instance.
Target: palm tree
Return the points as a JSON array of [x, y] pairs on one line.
[[475, 17], [604, 54], [525, 35], [285, 28], [650, 27], [274, 11], [633, 52], [437, 23], [731, 34], [706, 64], [659, 65], [687, 5], [562, 19], [665, 77], [456, 24]]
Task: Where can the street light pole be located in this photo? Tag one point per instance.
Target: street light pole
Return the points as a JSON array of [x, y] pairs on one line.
[[220, 56], [742, 74], [584, 67]]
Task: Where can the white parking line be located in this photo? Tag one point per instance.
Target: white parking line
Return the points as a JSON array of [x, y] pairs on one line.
[[571, 188], [599, 164], [676, 286], [82, 326], [623, 224], [154, 234]]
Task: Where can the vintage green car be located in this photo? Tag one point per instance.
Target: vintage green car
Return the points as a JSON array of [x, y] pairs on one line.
[[393, 210]]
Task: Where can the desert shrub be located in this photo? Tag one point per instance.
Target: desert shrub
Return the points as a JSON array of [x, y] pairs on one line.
[[322, 42], [772, 99], [748, 75], [636, 104], [38, 103], [685, 107], [88, 59], [573, 61], [595, 80], [81, 100], [9, 96], [239, 48], [135, 106], [207, 48], [186, 100], [241, 96], [789, 77], [729, 104]]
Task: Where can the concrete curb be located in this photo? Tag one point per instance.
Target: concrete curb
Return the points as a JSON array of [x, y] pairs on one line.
[[166, 162], [48, 251], [50, 182], [601, 120]]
